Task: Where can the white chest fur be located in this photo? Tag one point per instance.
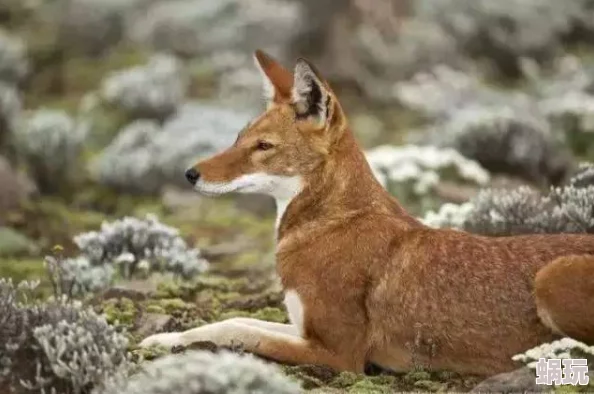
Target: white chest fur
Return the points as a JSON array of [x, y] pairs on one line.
[[295, 309]]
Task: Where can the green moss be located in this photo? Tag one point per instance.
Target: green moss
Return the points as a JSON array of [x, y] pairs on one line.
[[429, 385], [355, 383], [99, 198], [176, 289], [13, 243], [27, 269], [417, 375], [121, 311], [153, 308], [344, 380], [267, 313], [171, 305], [366, 386], [52, 221], [220, 283], [149, 353], [567, 388]]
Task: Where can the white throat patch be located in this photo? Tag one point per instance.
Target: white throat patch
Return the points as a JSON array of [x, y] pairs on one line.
[[282, 188]]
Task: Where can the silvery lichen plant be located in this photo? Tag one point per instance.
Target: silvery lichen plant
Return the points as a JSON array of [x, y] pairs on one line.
[[154, 90], [56, 346], [145, 156], [131, 247], [565, 209], [506, 31], [206, 373], [50, 142], [504, 132]]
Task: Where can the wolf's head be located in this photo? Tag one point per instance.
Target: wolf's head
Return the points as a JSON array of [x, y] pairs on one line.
[[276, 152]]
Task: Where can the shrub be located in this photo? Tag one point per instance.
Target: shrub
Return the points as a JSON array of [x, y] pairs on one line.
[[50, 142], [206, 373], [54, 346], [566, 209], [154, 90], [130, 247], [508, 140], [504, 132], [145, 157], [504, 32]]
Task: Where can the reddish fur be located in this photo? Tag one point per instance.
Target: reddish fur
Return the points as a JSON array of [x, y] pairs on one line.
[[377, 285]]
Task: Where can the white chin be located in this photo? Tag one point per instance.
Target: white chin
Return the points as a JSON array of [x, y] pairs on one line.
[[272, 185], [213, 190]]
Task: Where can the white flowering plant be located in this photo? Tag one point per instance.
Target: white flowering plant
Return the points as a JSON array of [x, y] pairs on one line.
[[412, 172]]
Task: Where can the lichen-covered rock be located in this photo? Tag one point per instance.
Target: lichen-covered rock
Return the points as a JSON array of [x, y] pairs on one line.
[[50, 143], [145, 157], [201, 372], [131, 247], [521, 380], [56, 346], [154, 90]]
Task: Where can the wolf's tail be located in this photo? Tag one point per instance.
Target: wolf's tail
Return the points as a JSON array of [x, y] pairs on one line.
[[564, 292]]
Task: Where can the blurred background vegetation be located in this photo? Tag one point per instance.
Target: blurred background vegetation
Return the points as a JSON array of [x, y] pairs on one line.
[[104, 103]]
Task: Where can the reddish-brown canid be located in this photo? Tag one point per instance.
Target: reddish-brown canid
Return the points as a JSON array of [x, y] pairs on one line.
[[365, 282]]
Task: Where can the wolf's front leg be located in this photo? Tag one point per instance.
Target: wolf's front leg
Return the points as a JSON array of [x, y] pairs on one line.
[[218, 333], [279, 342]]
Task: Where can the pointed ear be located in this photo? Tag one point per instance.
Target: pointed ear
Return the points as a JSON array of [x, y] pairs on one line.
[[311, 94], [277, 80]]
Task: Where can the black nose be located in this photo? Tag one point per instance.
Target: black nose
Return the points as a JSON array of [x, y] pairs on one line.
[[192, 175]]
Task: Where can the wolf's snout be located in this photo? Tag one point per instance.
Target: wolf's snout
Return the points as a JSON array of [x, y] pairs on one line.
[[192, 175]]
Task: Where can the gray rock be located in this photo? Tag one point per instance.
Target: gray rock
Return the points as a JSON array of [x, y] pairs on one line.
[[521, 380]]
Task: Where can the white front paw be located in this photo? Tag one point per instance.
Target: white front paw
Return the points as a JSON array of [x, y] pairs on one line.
[[166, 339]]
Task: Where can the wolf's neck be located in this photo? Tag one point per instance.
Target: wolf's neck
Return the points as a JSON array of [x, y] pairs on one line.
[[340, 187]]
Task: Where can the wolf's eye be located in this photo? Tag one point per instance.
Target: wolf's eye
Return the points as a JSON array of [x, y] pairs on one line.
[[263, 145]]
